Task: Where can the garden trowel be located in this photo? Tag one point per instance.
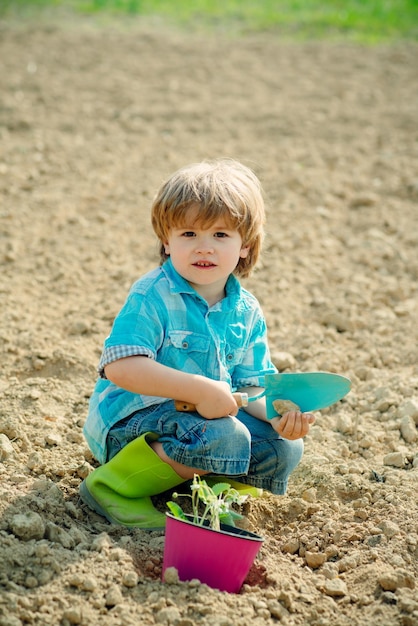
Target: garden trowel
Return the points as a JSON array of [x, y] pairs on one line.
[[310, 391]]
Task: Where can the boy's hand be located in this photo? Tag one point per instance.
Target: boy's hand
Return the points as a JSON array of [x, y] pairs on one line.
[[293, 424], [216, 400]]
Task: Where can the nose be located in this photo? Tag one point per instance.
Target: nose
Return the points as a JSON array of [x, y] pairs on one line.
[[204, 244]]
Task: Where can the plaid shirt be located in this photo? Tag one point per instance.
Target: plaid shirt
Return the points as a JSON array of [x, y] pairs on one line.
[[165, 319]]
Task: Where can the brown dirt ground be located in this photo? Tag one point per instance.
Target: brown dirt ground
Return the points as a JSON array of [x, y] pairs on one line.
[[92, 119]]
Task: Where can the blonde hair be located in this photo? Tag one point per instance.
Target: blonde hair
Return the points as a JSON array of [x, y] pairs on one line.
[[222, 188]]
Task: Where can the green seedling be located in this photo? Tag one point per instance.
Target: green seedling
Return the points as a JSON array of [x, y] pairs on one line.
[[216, 502]]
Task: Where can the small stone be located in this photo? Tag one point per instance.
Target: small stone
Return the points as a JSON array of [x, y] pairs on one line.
[[28, 526], [58, 535], [409, 408], [89, 583], [277, 610], [31, 582], [73, 615], [315, 559], [388, 581], [394, 459], [348, 562], [34, 461], [330, 571], [335, 588], [309, 495], [344, 424], [114, 596], [130, 579], [408, 429], [53, 439], [374, 540], [389, 529], [388, 597], [291, 546], [168, 615], [405, 579], [284, 360], [6, 448], [171, 576], [102, 543]]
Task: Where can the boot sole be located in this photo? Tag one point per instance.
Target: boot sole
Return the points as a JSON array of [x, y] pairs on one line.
[[88, 499]]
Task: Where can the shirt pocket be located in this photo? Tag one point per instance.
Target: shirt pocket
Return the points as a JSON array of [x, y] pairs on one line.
[[234, 355], [187, 351]]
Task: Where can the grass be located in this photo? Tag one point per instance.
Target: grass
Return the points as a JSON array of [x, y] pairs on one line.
[[367, 21]]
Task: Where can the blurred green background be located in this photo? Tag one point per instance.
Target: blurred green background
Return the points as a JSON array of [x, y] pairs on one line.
[[367, 21]]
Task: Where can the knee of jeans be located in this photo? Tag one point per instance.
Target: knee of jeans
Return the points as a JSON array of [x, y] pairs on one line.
[[238, 430], [279, 457], [289, 453], [235, 435]]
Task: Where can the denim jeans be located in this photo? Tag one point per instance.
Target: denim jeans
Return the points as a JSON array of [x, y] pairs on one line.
[[241, 447]]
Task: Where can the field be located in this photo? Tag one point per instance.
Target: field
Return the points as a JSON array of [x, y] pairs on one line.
[[95, 111]]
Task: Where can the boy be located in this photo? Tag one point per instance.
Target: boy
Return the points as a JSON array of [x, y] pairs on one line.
[[188, 331]]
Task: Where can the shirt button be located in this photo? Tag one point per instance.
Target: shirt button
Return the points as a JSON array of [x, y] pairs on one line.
[[185, 344], [229, 357]]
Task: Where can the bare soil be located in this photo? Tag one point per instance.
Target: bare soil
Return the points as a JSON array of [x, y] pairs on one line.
[[92, 119]]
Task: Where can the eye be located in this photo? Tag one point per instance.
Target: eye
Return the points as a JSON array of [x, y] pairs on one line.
[[221, 235], [188, 233]]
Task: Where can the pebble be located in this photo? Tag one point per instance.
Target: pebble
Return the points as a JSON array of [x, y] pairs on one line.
[[348, 562], [391, 581], [394, 459], [291, 546], [59, 535], [277, 610], [409, 408], [113, 596], [73, 615], [89, 583], [130, 579], [315, 559], [27, 526], [408, 429], [330, 571], [389, 529], [284, 360], [344, 424], [6, 448], [309, 495], [53, 439], [168, 615], [102, 543], [335, 588], [171, 576]]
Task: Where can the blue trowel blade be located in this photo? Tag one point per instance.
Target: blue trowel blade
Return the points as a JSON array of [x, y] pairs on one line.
[[309, 390]]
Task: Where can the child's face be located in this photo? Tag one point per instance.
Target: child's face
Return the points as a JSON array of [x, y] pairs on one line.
[[205, 255]]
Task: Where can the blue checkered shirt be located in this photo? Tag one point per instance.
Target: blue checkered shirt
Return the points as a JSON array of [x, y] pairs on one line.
[[165, 319]]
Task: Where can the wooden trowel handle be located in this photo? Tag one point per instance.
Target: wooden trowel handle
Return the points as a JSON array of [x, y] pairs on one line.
[[186, 407]]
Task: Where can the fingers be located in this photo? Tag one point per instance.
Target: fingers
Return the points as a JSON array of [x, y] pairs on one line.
[[294, 424]]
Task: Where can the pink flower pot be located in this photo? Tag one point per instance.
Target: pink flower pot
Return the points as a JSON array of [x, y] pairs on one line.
[[221, 559]]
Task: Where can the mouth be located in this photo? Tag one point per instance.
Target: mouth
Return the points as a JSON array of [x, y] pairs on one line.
[[204, 264]]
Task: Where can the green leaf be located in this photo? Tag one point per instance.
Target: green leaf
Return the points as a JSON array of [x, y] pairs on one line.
[[176, 510], [219, 488], [227, 518]]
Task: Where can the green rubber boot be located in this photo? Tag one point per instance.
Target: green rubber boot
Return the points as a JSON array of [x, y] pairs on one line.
[[120, 489], [242, 488]]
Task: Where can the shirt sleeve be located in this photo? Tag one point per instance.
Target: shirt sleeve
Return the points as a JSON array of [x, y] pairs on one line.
[[136, 331]]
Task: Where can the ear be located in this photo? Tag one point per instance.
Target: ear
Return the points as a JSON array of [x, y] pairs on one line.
[[244, 252], [166, 248]]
